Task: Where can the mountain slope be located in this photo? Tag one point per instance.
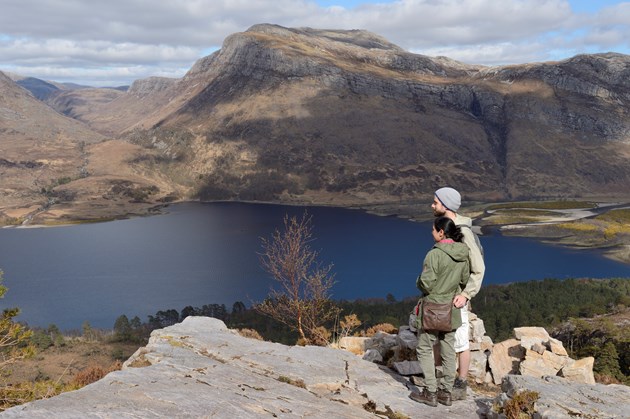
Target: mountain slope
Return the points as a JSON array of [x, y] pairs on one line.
[[346, 117], [52, 165]]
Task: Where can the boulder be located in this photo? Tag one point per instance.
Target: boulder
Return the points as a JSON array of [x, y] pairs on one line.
[[382, 342], [556, 346], [580, 371], [540, 365], [407, 368], [505, 359], [530, 336], [478, 366], [373, 355], [477, 330], [484, 345], [406, 338]]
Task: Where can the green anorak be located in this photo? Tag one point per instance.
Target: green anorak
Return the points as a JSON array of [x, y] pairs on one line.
[[445, 272]]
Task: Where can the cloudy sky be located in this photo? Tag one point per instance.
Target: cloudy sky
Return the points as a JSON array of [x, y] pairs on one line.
[[115, 42]]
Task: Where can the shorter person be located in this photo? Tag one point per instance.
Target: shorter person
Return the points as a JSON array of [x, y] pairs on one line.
[[445, 272]]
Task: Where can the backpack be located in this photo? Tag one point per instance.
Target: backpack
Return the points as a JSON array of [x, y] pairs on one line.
[[476, 236]]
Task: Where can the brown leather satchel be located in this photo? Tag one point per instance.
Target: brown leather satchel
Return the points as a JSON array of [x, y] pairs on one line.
[[436, 317]]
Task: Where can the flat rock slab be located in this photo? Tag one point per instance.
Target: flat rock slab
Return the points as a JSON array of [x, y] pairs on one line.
[[560, 398], [200, 368]]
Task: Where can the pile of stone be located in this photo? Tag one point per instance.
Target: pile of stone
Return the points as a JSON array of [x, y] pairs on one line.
[[532, 352]]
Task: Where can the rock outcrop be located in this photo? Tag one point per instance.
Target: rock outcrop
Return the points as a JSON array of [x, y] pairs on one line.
[[199, 368], [556, 398]]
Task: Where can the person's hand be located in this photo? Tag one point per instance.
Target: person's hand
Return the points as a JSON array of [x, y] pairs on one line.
[[460, 301]]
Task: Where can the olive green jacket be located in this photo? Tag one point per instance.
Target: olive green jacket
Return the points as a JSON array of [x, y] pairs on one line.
[[445, 272]]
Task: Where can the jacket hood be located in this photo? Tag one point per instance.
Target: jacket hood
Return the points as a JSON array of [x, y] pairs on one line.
[[457, 251]]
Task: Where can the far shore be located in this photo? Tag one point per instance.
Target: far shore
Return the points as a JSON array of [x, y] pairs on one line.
[[523, 219]]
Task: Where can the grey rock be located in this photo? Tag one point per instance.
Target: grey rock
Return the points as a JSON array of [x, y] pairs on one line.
[[407, 367], [560, 398], [373, 355], [201, 369], [407, 338], [382, 342]]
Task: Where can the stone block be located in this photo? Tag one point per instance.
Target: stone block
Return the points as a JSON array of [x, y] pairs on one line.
[[505, 359], [534, 365], [538, 348], [580, 371], [478, 366], [406, 338], [556, 347], [531, 332], [477, 330], [373, 355], [406, 368]]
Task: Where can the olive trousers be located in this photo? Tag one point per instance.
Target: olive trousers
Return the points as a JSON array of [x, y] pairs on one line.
[[424, 351]]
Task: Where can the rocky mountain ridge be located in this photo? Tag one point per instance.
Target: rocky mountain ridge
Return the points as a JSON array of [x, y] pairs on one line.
[[333, 113], [332, 117]]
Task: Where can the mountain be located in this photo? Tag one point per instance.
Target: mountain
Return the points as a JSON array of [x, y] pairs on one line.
[[337, 117], [347, 117]]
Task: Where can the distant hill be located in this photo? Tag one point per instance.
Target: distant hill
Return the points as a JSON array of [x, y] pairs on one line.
[[56, 167], [39, 88]]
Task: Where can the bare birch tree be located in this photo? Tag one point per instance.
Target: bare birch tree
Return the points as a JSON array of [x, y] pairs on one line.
[[302, 300]]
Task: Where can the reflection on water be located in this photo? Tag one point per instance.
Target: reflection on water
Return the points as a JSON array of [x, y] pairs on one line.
[[200, 254]]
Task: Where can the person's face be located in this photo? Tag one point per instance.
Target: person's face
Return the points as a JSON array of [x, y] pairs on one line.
[[438, 209], [437, 235]]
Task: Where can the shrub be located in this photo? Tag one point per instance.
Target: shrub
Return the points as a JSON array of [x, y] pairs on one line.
[[250, 333], [93, 373], [382, 327]]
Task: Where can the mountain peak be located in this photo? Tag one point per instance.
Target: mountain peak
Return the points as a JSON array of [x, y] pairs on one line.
[[357, 37]]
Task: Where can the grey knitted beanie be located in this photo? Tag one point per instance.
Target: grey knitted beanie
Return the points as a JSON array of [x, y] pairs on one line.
[[450, 198]]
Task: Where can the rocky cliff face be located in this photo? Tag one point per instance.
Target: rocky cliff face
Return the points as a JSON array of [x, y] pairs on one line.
[[319, 115]]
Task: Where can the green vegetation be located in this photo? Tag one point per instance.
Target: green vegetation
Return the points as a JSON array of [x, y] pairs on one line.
[[551, 205], [546, 303]]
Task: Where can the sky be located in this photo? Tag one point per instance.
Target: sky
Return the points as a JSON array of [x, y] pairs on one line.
[[113, 43]]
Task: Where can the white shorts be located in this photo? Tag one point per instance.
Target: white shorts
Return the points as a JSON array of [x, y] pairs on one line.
[[462, 332]]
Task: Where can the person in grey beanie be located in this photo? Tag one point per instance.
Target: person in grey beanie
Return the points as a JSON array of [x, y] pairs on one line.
[[446, 202]]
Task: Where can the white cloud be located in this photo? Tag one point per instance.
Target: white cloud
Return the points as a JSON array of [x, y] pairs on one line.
[[127, 39]]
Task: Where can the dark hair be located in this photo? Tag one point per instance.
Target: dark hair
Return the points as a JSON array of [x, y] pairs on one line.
[[451, 231]]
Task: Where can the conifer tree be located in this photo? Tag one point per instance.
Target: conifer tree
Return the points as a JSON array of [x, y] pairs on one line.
[[14, 338]]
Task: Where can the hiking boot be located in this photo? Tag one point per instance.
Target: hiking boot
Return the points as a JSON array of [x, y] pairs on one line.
[[426, 397], [459, 383], [444, 397], [459, 389]]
